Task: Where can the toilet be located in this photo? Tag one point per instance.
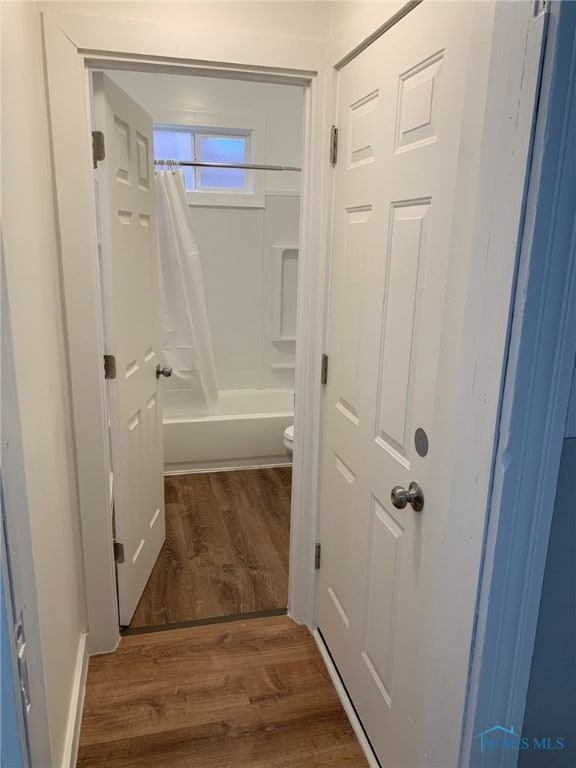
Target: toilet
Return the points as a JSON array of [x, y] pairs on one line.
[[289, 439]]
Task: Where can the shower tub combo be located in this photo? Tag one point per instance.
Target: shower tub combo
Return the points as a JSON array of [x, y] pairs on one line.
[[247, 432]]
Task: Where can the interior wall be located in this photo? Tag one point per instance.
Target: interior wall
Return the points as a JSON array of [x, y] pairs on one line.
[[40, 366], [301, 19], [351, 21], [239, 246], [571, 420], [551, 699]]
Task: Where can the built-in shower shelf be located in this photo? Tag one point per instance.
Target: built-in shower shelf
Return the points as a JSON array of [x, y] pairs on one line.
[[285, 290], [283, 366]]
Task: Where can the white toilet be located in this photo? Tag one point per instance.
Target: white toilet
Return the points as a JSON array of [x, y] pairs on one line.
[[289, 439]]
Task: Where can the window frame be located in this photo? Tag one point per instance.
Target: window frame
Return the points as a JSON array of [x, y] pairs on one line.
[[253, 127]]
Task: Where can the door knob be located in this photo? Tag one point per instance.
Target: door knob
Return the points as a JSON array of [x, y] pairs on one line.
[[163, 370], [414, 496]]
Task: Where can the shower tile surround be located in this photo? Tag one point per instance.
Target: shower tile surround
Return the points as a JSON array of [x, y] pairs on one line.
[[248, 254]]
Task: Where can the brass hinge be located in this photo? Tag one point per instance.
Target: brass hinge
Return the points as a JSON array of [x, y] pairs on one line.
[[317, 555], [324, 369], [118, 552], [109, 367], [333, 144], [98, 148]]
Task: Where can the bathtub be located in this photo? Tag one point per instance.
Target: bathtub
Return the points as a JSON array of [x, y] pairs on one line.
[[248, 431]]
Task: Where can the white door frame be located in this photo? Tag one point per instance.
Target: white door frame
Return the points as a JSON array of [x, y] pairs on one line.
[[535, 399], [72, 44]]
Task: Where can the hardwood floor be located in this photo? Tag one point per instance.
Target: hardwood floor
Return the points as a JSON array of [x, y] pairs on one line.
[[248, 694], [226, 550]]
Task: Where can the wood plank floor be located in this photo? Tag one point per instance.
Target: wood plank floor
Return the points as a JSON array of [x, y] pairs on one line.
[[248, 694], [226, 549]]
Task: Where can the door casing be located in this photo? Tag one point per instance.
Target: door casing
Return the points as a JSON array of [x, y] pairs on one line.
[[68, 63], [536, 392]]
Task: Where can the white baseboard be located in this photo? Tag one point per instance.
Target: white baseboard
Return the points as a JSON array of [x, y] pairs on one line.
[[346, 703], [191, 469], [70, 752]]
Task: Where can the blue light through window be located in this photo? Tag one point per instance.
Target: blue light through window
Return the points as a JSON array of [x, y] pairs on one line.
[[176, 145], [186, 143], [222, 149]]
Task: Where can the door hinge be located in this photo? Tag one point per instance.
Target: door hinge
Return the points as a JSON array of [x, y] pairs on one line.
[[333, 144], [20, 642], [109, 367], [324, 369], [24, 683], [317, 555], [540, 7], [118, 552], [98, 148]]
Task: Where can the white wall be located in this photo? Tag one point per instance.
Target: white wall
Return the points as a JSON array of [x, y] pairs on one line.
[[34, 292], [301, 19], [237, 244], [351, 22]]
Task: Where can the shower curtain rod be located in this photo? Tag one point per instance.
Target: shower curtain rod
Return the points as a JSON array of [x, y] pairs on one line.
[[243, 166]]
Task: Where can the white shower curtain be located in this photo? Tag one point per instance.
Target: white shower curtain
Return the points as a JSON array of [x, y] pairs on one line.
[[186, 342]]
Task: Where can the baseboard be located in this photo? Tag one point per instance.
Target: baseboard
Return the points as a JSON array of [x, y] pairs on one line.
[[191, 469], [346, 703], [70, 752]]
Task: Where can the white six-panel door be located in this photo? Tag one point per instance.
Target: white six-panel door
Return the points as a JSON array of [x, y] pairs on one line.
[[400, 110], [125, 184]]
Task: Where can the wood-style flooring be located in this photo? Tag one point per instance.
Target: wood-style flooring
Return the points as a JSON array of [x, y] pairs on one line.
[[226, 549], [243, 694]]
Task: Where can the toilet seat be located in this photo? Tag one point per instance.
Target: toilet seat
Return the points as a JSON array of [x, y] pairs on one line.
[[289, 438]]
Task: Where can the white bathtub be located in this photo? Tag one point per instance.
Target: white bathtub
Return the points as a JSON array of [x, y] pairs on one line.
[[247, 432]]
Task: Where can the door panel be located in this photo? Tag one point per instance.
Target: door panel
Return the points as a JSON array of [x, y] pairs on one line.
[[125, 183], [400, 113], [400, 332]]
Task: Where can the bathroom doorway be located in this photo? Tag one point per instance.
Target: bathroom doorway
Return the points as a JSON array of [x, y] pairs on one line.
[[227, 454]]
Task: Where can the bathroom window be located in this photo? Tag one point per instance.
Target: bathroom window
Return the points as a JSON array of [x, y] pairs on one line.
[[222, 149], [174, 143], [225, 140]]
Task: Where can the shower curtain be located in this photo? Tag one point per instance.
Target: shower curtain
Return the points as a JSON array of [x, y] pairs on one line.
[[186, 340]]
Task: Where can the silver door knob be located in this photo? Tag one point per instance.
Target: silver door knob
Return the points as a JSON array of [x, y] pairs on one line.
[[414, 496], [163, 370]]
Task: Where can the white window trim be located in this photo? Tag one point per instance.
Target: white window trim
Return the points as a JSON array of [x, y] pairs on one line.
[[207, 121]]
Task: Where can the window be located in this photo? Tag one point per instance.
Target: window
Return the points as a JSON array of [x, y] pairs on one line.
[[175, 144], [213, 138], [189, 143], [222, 149]]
